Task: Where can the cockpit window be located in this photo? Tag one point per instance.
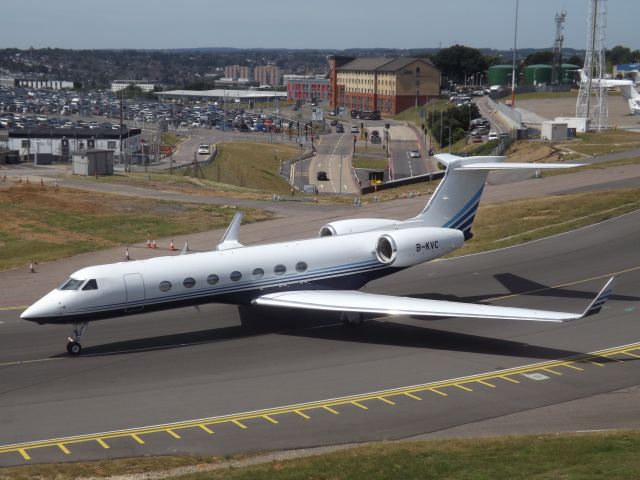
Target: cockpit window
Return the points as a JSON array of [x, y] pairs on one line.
[[72, 284], [90, 285]]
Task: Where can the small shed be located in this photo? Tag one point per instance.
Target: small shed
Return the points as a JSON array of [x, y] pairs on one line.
[[554, 131], [92, 162]]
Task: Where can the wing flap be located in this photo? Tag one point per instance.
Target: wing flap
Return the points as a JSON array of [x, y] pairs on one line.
[[354, 301]]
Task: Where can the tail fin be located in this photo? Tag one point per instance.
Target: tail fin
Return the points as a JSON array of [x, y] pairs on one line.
[[455, 201]]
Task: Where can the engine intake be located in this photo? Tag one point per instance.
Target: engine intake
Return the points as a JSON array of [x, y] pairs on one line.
[[412, 246]]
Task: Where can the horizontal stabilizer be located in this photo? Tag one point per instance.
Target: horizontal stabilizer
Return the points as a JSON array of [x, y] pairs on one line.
[[353, 301], [516, 166]]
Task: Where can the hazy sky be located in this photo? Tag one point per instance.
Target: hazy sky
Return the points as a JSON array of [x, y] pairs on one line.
[[335, 24]]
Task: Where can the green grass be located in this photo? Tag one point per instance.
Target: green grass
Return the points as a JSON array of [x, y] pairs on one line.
[[596, 456], [512, 223], [39, 224], [599, 143], [370, 162], [251, 166], [594, 166]]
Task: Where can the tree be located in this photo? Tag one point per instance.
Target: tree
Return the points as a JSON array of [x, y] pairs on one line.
[[539, 58], [458, 62]]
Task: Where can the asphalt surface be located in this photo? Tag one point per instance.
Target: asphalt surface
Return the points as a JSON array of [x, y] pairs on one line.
[[221, 360]]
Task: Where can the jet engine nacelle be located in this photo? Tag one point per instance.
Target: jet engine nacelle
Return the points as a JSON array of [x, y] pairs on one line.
[[356, 225], [412, 246]]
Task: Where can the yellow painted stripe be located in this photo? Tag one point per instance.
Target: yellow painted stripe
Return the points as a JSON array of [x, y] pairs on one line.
[[172, 433], [64, 449], [438, 392], [508, 379], [483, 378], [359, 405], [239, 424], [102, 443], [24, 454], [486, 383], [551, 371], [462, 387], [6, 309], [267, 417], [631, 354], [572, 366], [385, 400], [204, 427], [329, 409]]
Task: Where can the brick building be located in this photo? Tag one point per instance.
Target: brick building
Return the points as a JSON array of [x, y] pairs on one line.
[[237, 72], [390, 85], [308, 88]]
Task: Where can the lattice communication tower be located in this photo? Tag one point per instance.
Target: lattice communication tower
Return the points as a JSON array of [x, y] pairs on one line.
[[592, 97], [556, 76]]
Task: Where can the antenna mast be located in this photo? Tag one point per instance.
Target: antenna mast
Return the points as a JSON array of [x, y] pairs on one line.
[[591, 84], [557, 47]]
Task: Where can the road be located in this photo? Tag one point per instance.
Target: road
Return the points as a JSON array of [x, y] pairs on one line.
[[333, 156], [220, 363]]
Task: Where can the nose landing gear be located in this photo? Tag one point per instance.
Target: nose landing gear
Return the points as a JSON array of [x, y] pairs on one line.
[[73, 346]]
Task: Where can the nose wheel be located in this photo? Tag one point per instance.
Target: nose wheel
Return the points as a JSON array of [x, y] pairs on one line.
[[73, 346]]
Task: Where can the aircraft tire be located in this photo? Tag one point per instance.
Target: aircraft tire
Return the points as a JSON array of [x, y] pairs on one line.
[[74, 348]]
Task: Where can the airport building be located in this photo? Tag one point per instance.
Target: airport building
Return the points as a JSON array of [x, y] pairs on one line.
[[389, 85], [308, 88], [144, 85], [44, 146]]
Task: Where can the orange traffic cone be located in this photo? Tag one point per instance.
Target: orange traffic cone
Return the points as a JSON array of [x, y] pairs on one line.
[[148, 241], [172, 247], [153, 245]]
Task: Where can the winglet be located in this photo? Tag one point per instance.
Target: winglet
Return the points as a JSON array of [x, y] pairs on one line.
[[230, 237], [600, 300]]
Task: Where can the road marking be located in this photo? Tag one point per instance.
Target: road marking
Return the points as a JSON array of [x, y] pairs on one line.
[[267, 417], [204, 427], [5, 309], [102, 443], [329, 404], [359, 405], [462, 387]]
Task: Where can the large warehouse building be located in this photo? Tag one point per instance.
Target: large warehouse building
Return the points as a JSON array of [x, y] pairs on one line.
[[389, 85]]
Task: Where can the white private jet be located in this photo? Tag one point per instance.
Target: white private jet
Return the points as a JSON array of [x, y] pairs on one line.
[[321, 273], [626, 88]]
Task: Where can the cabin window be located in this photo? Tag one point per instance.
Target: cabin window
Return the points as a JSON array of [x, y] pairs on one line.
[[71, 284], [235, 276], [213, 279], [258, 273], [189, 282], [279, 269], [164, 286], [301, 267], [90, 285]]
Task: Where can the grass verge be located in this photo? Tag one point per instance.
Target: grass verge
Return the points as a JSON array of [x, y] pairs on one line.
[[503, 225], [592, 456], [41, 224]]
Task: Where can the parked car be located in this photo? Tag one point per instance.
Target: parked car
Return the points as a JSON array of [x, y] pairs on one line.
[[322, 176], [204, 149], [493, 136], [339, 128]]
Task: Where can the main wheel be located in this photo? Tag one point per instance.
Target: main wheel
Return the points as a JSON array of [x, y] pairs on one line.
[[74, 348]]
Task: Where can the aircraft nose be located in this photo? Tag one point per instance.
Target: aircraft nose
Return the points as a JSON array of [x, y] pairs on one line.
[[46, 307]]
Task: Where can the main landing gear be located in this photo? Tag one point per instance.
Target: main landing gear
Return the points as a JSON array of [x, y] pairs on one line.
[[73, 346]]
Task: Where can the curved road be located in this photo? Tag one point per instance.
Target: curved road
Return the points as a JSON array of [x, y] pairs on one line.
[[222, 366]]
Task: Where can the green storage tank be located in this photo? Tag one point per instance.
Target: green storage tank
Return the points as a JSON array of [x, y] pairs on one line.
[[537, 74], [569, 73], [500, 75]]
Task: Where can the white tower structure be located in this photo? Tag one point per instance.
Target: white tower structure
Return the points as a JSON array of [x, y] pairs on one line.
[[592, 97]]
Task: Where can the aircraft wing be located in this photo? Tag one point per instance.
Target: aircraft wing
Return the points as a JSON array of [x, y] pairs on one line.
[[354, 301]]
